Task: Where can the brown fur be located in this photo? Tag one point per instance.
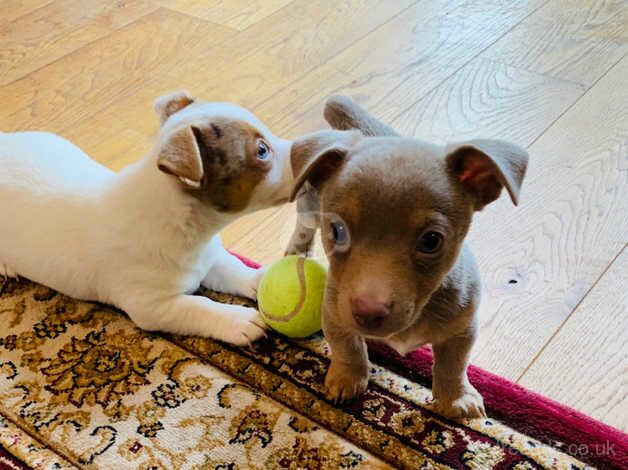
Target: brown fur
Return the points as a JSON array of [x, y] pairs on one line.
[[231, 169], [215, 159], [389, 191]]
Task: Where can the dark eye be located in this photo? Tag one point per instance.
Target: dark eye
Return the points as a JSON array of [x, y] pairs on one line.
[[339, 233], [430, 242], [263, 152]]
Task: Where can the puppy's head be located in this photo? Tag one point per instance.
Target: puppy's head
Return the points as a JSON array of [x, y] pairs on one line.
[[222, 153], [394, 214]]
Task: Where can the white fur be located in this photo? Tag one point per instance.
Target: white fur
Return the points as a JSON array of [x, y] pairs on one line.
[[133, 239]]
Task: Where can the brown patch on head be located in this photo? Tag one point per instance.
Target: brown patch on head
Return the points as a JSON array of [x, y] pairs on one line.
[[231, 167]]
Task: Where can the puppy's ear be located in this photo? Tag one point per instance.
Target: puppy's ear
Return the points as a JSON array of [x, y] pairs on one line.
[[484, 166], [169, 104], [342, 112], [315, 157], [180, 156]]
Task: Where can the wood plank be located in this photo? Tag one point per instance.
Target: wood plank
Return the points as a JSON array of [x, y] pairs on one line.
[[283, 47], [238, 14], [79, 84], [398, 63], [538, 260], [13, 9], [585, 365], [58, 28], [492, 100], [572, 40], [230, 71]]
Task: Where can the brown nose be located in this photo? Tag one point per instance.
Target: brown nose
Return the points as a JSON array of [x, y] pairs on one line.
[[369, 313]]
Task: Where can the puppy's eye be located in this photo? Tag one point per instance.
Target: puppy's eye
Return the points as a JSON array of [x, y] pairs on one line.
[[263, 151], [430, 242], [339, 233]]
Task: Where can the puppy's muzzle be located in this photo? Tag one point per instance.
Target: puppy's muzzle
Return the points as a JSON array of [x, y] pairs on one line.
[[369, 313]]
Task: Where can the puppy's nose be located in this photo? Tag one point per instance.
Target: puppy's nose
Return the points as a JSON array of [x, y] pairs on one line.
[[369, 313]]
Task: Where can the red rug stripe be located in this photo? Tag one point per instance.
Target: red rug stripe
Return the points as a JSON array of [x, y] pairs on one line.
[[532, 414], [8, 461]]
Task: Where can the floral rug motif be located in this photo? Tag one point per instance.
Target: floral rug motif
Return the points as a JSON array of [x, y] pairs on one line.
[[80, 386]]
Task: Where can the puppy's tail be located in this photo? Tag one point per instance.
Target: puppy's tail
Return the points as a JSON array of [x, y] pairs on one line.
[[343, 113]]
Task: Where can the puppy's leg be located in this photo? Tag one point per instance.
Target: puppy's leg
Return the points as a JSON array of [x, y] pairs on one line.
[[6, 271], [342, 112], [454, 396], [307, 223], [348, 373], [230, 275], [199, 316]]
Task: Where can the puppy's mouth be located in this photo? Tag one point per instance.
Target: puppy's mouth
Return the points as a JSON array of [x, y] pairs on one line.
[[378, 329], [383, 327]]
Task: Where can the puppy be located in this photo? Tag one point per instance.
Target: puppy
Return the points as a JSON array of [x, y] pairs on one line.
[[146, 238], [394, 213]]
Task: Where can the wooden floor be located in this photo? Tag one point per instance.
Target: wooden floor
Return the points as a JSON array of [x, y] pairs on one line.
[[551, 75]]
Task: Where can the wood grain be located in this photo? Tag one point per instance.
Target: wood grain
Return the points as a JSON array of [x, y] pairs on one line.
[[282, 48], [538, 260], [492, 100], [238, 14], [235, 70], [572, 40], [58, 28], [398, 63], [585, 365], [13, 9], [73, 88]]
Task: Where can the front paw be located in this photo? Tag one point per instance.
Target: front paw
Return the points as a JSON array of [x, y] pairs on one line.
[[469, 404], [305, 250], [249, 288], [344, 382], [244, 327]]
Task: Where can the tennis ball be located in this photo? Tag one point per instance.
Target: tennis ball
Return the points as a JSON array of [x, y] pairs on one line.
[[290, 296]]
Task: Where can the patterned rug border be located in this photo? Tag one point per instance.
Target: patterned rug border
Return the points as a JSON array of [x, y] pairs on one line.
[[528, 412], [274, 367], [239, 364]]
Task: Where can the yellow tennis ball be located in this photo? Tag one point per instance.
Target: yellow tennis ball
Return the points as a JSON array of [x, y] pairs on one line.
[[290, 296]]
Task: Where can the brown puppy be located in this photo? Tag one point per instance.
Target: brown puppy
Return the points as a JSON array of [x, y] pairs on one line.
[[394, 213]]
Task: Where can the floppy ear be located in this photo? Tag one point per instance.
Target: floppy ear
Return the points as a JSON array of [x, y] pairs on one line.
[[315, 157], [180, 156], [167, 105], [342, 112], [484, 166]]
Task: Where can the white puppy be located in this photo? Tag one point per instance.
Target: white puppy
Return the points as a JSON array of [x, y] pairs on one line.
[[146, 238]]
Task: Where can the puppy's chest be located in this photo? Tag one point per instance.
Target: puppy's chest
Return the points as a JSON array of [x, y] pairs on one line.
[[406, 343], [197, 268]]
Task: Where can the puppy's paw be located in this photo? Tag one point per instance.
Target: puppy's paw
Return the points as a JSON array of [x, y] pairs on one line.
[[301, 250], [244, 328], [249, 288], [468, 405], [344, 382]]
